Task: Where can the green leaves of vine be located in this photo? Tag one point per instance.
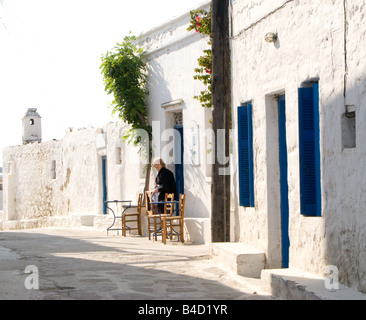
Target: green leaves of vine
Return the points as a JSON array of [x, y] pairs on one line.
[[124, 75], [201, 23]]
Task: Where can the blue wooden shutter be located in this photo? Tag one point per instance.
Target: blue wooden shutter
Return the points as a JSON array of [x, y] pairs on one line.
[[310, 194], [245, 151], [104, 177]]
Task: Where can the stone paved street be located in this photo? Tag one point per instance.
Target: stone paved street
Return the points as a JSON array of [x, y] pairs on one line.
[[83, 264]]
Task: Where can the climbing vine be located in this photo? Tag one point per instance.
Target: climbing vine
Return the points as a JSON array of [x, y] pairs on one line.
[[201, 23], [124, 75]]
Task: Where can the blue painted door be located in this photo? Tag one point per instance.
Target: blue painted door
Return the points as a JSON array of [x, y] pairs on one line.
[[285, 241], [179, 149], [104, 183]]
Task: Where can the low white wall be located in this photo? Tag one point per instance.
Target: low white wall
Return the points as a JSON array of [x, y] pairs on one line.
[[63, 178]]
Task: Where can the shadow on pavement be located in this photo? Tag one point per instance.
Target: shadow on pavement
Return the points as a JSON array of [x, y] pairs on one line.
[[82, 265]]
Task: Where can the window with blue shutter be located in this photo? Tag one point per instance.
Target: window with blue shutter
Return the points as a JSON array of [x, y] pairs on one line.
[[245, 153], [310, 180]]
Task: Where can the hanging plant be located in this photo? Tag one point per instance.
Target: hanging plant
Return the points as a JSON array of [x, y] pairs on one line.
[[201, 23]]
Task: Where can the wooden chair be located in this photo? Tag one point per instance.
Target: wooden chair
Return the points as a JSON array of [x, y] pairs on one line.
[[168, 223], [150, 214], [136, 218], [153, 217]]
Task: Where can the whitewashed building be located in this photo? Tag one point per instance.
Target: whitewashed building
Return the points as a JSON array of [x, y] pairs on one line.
[[65, 182], [32, 126], [297, 105], [304, 95], [171, 56]]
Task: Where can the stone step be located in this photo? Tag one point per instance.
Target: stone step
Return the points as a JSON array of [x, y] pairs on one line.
[[238, 258], [294, 284]]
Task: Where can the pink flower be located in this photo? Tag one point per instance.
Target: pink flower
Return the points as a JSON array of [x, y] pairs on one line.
[[198, 24]]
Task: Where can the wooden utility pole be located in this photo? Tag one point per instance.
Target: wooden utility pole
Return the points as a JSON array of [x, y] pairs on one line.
[[221, 103]]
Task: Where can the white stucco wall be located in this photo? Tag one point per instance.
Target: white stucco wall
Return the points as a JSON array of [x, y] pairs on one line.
[[344, 179], [125, 174], [80, 172], [29, 190], [33, 193], [311, 37]]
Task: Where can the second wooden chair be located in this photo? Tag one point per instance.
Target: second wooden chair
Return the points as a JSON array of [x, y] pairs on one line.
[[153, 217], [133, 217], [172, 223]]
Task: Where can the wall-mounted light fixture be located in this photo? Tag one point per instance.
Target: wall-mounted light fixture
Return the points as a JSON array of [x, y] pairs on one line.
[[350, 111], [271, 37]]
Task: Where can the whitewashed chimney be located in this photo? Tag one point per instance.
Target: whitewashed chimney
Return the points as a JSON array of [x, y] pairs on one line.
[[32, 128]]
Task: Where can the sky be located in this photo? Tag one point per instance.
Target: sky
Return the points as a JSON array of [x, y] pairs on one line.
[[50, 54]]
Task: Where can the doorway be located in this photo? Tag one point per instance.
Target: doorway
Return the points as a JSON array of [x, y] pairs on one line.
[[104, 183], [178, 152], [285, 241]]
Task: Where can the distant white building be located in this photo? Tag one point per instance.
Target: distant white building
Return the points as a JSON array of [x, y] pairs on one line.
[[32, 126], [66, 182]]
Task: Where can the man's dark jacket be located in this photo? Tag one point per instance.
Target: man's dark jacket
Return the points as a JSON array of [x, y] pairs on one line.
[[165, 179]]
